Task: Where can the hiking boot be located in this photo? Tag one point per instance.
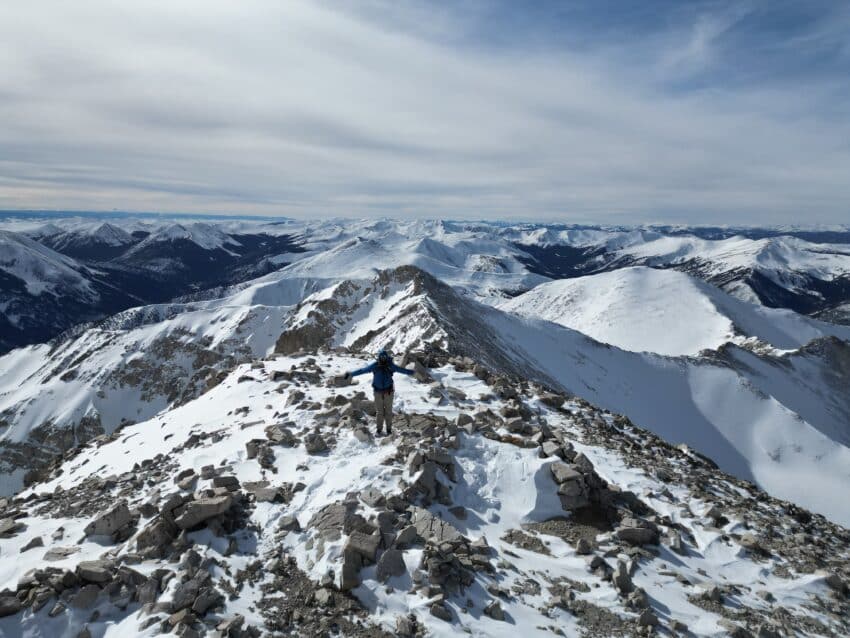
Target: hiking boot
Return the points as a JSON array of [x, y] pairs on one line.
[[380, 432]]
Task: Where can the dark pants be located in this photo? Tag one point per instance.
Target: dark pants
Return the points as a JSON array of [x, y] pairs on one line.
[[384, 410]]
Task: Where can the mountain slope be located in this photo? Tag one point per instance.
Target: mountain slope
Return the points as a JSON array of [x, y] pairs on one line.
[[102, 270], [776, 271], [735, 407], [265, 505], [43, 292], [128, 368], [714, 406], [664, 311]]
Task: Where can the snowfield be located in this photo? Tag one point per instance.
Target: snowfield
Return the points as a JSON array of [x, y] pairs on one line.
[[41, 270], [666, 312]]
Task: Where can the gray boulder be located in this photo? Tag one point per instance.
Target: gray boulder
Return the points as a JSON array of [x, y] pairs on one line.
[[390, 564], [196, 512], [638, 532], [110, 521], [366, 545], [314, 443], [429, 527], [95, 571], [350, 572], [9, 604], [563, 473]]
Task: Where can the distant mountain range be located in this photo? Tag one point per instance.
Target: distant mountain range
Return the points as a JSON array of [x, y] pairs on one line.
[[55, 277]]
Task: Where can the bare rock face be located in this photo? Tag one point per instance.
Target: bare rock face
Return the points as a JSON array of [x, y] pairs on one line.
[[350, 573], [431, 528], [572, 488], [196, 512], [365, 545], [109, 522], [95, 571], [315, 444], [390, 564], [9, 604], [281, 435], [330, 521], [636, 531]]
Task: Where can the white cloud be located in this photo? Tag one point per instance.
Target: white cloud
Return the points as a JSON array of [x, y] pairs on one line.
[[304, 109]]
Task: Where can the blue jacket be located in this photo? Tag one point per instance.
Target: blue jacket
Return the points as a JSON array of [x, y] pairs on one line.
[[382, 376]]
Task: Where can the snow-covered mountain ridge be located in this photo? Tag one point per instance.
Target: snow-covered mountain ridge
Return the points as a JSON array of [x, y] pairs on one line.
[[777, 419], [667, 312], [54, 278], [264, 505], [156, 262], [724, 393]]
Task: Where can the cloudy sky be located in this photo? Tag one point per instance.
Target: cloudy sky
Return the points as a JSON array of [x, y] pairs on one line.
[[607, 111]]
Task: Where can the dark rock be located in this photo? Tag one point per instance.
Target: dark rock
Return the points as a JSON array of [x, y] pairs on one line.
[[390, 564], [494, 610], [9, 604], [228, 482], [315, 444], [95, 571], [439, 610]]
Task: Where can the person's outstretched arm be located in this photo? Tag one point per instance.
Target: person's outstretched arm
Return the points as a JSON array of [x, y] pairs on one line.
[[402, 370], [363, 370]]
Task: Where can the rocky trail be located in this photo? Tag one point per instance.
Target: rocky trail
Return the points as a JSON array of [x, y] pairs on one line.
[[266, 507]]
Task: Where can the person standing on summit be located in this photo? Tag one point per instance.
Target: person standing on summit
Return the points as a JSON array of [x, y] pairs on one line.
[[382, 370]]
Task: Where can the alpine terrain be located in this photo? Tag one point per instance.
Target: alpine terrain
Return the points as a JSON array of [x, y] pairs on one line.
[[610, 431]]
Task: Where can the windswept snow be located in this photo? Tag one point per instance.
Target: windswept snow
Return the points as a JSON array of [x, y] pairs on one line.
[[207, 236], [664, 311], [42, 270]]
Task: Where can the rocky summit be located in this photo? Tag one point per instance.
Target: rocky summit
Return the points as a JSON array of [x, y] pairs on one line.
[[265, 506]]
